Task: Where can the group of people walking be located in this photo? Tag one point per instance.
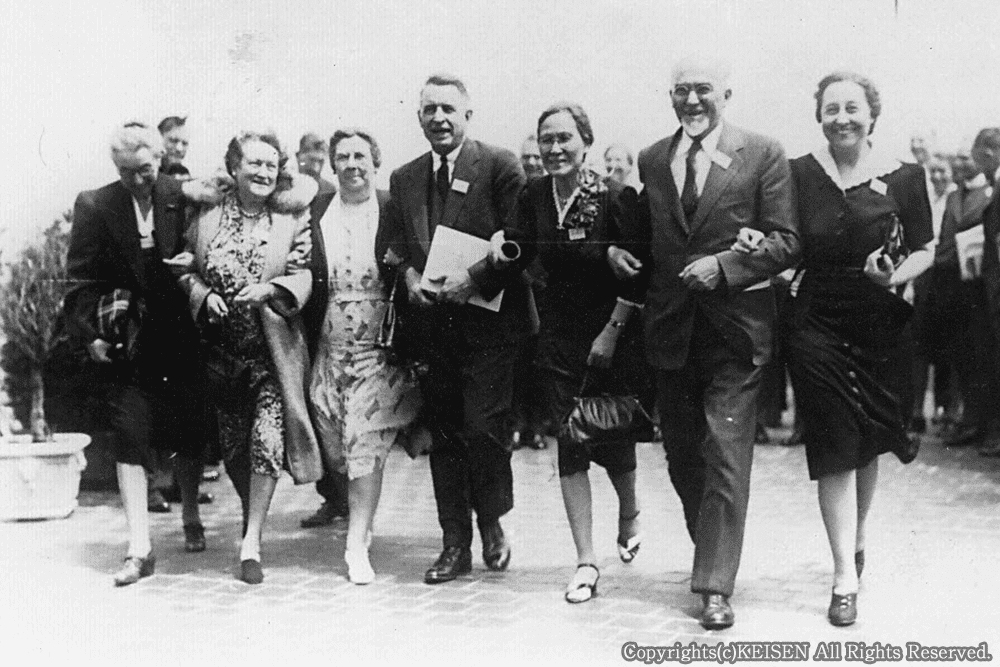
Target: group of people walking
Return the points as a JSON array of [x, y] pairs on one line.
[[282, 294]]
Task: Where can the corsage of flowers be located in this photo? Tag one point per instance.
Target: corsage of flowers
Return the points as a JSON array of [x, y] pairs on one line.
[[588, 201]]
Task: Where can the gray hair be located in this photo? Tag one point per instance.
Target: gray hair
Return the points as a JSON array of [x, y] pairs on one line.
[[133, 136], [708, 63]]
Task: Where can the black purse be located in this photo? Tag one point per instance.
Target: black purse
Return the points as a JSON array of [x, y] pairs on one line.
[[386, 338], [894, 246], [601, 418], [226, 376]]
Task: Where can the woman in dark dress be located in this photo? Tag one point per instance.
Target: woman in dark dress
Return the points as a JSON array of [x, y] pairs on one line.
[[568, 218], [850, 345]]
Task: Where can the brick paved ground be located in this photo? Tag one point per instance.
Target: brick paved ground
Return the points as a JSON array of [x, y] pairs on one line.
[[932, 575]]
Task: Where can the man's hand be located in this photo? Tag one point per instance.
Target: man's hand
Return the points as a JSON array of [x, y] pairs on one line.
[[702, 274], [748, 240], [623, 263], [256, 295], [417, 296], [215, 308], [98, 350], [456, 288], [878, 268], [602, 350]]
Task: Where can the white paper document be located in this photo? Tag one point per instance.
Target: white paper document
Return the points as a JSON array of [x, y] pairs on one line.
[[970, 252], [452, 251]]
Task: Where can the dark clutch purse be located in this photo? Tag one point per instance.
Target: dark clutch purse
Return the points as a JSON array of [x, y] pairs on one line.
[[226, 376], [601, 418]]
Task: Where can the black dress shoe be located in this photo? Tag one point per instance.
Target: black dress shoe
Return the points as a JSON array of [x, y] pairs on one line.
[[717, 614], [843, 609], [194, 537], [452, 562], [496, 549], [251, 572], [155, 502]]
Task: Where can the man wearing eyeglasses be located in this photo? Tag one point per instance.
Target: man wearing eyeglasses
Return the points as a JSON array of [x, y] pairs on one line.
[[716, 223]]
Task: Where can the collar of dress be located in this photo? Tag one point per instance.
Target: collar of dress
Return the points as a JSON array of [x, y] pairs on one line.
[[875, 164]]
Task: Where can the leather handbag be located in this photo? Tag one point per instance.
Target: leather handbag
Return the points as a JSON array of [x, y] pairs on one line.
[[894, 246], [387, 338], [602, 418]]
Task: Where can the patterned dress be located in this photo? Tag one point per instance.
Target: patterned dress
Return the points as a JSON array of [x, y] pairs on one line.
[[236, 259], [363, 404]]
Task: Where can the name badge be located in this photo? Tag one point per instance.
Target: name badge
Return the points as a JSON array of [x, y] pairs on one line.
[[577, 234], [988, 192], [879, 187], [458, 185], [722, 159]]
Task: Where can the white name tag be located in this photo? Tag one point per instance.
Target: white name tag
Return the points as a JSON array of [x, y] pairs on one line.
[[577, 234], [458, 185], [722, 159], [878, 186]]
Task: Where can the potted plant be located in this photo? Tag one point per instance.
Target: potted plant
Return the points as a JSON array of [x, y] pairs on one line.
[[39, 470]]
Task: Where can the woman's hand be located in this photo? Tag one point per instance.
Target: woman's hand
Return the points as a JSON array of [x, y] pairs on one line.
[[363, 363], [748, 240], [878, 268], [215, 308], [180, 263], [602, 350], [256, 295]]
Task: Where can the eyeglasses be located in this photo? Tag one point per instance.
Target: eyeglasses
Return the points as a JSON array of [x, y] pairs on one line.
[[683, 90]]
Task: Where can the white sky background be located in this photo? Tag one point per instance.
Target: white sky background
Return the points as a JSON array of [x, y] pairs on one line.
[[69, 71]]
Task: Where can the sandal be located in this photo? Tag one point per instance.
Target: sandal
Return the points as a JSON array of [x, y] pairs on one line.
[[628, 547], [582, 587]]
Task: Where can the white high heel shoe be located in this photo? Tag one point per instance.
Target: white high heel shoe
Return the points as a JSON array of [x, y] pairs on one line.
[[359, 569]]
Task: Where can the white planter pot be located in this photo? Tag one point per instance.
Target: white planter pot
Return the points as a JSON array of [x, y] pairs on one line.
[[40, 480]]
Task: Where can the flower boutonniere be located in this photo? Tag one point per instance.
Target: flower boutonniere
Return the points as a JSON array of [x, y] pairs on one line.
[[588, 201]]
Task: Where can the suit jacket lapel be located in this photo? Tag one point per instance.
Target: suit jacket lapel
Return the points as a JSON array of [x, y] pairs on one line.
[[466, 170], [673, 196], [419, 187], [730, 143], [124, 228]]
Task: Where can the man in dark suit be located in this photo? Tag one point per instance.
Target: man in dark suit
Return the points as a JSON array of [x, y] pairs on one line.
[[717, 222], [126, 241], [986, 153], [470, 351], [958, 313]]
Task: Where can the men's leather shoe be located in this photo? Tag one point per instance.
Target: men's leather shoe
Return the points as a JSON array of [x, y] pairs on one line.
[[155, 502], [717, 614], [326, 514], [452, 562], [134, 569], [496, 549], [964, 436], [991, 449]]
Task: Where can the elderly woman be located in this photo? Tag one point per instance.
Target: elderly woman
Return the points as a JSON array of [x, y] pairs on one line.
[[251, 250], [865, 224], [362, 404], [568, 218]]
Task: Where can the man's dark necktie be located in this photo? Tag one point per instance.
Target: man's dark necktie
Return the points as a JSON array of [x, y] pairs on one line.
[[689, 195], [442, 181]]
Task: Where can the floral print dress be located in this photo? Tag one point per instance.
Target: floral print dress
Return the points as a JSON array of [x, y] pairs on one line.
[[236, 259]]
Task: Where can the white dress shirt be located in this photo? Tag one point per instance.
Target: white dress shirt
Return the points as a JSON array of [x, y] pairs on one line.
[[145, 225], [702, 159], [452, 156]]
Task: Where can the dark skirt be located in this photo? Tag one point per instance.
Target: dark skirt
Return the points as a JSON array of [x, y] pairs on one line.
[[562, 362], [850, 350]]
